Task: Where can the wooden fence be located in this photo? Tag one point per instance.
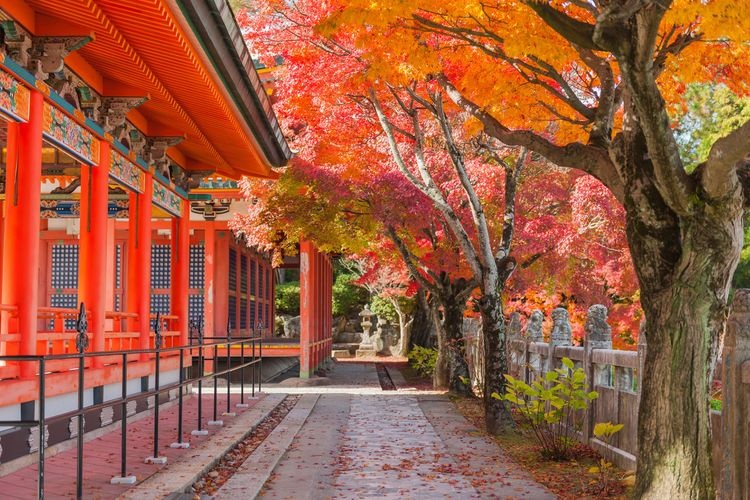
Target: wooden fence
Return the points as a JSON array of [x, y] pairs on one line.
[[614, 375]]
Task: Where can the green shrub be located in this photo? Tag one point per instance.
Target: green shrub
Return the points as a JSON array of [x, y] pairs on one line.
[[347, 297], [422, 359], [550, 405], [384, 309], [287, 298]]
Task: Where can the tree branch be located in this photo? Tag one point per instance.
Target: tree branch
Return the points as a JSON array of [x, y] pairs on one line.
[[719, 173], [588, 158]]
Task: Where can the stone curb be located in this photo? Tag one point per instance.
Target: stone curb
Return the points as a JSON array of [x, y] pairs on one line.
[[253, 473], [174, 480]]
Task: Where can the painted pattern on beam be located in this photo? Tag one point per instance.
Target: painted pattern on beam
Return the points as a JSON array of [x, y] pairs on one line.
[[15, 98], [126, 172], [167, 199], [61, 130]]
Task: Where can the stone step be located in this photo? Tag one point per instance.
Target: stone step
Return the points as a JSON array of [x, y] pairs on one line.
[[341, 353]]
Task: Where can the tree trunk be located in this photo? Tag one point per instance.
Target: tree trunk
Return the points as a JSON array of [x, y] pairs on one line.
[[441, 374], [459, 381], [405, 322], [497, 416], [684, 266], [422, 327]]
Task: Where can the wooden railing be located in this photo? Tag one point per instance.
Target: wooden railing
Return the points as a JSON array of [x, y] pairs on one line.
[[55, 337]]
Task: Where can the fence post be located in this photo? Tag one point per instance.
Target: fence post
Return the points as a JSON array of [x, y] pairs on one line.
[[534, 333], [156, 459], [734, 480], [82, 343], [229, 412], [123, 478], [598, 335], [200, 431], [562, 334], [514, 334]]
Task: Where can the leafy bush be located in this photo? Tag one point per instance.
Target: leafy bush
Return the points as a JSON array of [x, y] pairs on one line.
[[384, 309], [287, 298], [550, 406], [347, 297], [422, 359]]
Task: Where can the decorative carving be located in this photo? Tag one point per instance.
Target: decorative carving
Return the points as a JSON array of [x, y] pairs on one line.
[[17, 42], [15, 99], [514, 325], [107, 416], [63, 131], [82, 325], [73, 426], [65, 88], [130, 408], [113, 111], [562, 334], [89, 102], [155, 152], [126, 172], [167, 199], [48, 53], [209, 209], [33, 440], [534, 326], [598, 332]]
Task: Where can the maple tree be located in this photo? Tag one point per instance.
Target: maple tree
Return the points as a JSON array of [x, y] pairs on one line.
[[605, 74], [319, 120]]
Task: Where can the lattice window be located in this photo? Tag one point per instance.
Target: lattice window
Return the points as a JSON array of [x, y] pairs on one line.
[[243, 313], [268, 314], [64, 301], [268, 283], [243, 274], [232, 269], [118, 266], [159, 303], [260, 281], [64, 266], [253, 275], [233, 312], [260, 316], [197, 266], [252, 314], [161, 259], [195, 308]]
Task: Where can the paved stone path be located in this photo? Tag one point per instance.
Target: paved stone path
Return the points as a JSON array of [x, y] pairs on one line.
[[360, 442]]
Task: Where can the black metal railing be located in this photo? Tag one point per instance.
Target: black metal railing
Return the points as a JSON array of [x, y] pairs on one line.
[[200, 343]]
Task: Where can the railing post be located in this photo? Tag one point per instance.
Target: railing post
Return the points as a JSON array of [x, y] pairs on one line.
[[215, 420], [40, 472], [260, 357], [200, 431], [123, 478], [229, 412], [598, 335], [82, 342], [180, 443], [562, 334], [155, 458], [252, 372], [242, 403]]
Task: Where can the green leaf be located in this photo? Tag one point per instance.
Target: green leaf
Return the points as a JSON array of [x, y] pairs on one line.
[[568, 363]]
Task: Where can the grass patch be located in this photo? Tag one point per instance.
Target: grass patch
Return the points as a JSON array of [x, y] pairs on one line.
[[570, 479]]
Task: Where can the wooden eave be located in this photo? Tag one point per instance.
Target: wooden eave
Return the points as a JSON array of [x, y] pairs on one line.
[[140, 46]]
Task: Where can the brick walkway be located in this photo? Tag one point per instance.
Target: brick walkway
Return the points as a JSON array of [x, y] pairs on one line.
[[102, 455]]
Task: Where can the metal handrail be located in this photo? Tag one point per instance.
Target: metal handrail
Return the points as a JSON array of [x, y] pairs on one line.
[[82, 343]]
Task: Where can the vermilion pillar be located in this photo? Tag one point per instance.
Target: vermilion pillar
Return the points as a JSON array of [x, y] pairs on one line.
[[209, 284], [306, 307], [131, 280], [92, 270], [21, 235], [181, 270], [143, 262]]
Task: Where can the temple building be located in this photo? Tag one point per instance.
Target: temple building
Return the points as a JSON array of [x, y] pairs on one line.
[[124, 126]]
